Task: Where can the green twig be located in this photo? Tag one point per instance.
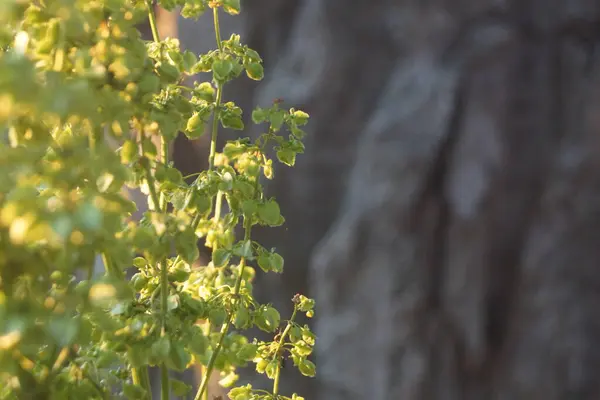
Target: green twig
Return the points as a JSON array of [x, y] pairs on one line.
[[164, 380], [215, 128], [140, 377], [164, 157], [280, 345], [111, 269], [152, 19], [211, 157], [152, 188], [191, 175], [230, 317], [160, 204], [217, 28]]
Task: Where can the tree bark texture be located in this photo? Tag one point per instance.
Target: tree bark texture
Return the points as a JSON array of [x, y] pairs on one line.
[[446, 214]]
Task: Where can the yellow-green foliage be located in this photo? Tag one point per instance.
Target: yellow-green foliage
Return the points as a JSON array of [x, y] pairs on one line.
[[76, 78]]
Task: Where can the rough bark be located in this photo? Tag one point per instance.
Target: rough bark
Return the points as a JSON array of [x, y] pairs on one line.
[[452, 181]]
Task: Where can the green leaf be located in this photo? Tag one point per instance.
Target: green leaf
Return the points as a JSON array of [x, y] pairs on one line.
[[178, 357], [241, 393], [205, 91], [307, 368], [149, 83], [302, 349], [193, 10], [179, 274], [63, 330], [220, 257], [305, 304], [172, 302], [231, 6], [255, 71], [195, 126], [149, 149], [137, 355], [140, 262], [268, 169], [168, 73], [269, 213], [143, 238], [261, 365], [221, 69], [198, 343], [186, 247], [247, 352], [295, 334], [264, 262], [134, 392], [173, 175], [271, 369], [107, 359], [226, 183], [276, 262], [229, 120], [179, 388], [189, 60], [161, 348], [139, 281], [300, 117], [308, 336], [252, 55], [229, 379], [176, 57], [287, 157], [249, 207], [276, 118], [104, 181], [217, 316], [245, 188], [242, 318], [243, 249], [234, 149], [178, 198], [259, 115], [268, 319]]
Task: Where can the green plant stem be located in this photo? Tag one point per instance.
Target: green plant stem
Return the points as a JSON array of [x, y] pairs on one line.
[[140, 377], [202, 390], [215, 128], [143, 376], [164, 382], [160, 205], [211, 159], [152, 190], [111, 270], [211, 362], [164, 297], [164, 157], [191, 175], [218, 205], [286, 331], [227, 325], [152, 19], [217, 28], [164, 292], [213, 142]]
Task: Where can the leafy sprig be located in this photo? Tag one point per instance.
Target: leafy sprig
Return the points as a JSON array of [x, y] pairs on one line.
[[83, 100]]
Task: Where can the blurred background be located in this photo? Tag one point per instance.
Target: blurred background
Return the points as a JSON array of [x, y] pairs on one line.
[[446, 213]]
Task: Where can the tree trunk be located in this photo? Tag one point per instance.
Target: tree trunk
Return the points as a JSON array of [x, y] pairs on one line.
[[452, 178]]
